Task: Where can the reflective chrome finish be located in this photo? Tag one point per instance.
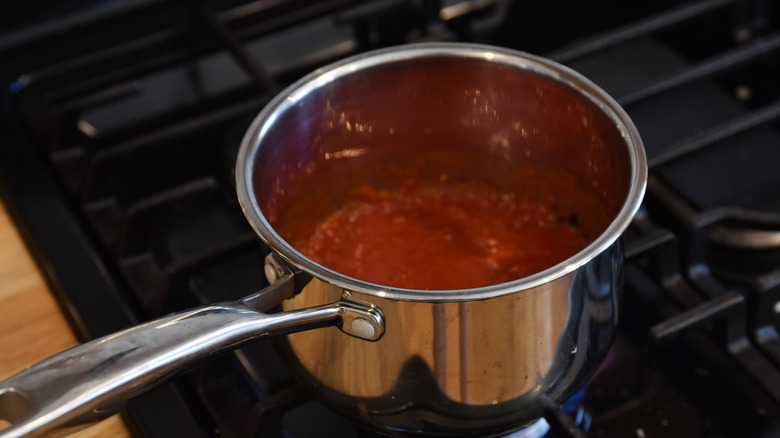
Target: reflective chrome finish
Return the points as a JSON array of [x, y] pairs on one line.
[[91, 381], [468, 367], [473, 362]]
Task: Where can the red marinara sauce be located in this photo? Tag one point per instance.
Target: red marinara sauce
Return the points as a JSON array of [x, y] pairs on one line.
[[440, 238]]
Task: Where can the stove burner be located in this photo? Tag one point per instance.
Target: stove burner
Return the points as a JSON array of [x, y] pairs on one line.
[[537, 429]]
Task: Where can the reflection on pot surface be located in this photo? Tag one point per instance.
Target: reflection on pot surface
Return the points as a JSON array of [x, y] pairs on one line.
[[466, 366]]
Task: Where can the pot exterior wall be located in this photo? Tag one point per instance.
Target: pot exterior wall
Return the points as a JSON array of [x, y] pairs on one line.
[[463, 368]]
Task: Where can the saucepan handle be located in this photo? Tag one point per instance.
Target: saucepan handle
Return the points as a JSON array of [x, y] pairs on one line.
[[90, 382]]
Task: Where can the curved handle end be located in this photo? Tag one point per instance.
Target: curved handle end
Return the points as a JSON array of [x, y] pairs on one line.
[[361, 320]]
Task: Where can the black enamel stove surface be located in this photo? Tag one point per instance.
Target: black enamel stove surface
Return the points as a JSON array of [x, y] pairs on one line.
[[121, 122]]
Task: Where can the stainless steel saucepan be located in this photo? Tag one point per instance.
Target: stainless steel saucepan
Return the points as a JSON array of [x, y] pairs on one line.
[[472, 362]]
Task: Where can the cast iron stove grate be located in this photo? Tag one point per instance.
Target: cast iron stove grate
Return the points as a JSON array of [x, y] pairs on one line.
[[122, 123]]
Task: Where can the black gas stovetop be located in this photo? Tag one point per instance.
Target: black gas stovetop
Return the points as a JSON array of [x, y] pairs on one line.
[[121, 122]]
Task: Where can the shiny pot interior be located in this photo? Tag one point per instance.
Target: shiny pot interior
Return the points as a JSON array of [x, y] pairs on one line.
[[432, 111], [475, 361]]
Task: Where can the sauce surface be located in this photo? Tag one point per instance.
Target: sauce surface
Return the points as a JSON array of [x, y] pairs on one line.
[[440, 238]]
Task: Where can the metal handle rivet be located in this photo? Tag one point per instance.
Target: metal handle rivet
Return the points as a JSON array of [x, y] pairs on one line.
[[271, 274], [363, 328]]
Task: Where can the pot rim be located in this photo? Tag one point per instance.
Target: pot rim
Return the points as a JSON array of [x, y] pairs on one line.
[[321, 77]]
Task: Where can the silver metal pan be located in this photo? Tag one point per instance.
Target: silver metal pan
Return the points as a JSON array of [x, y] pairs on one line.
[[468, 362]]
